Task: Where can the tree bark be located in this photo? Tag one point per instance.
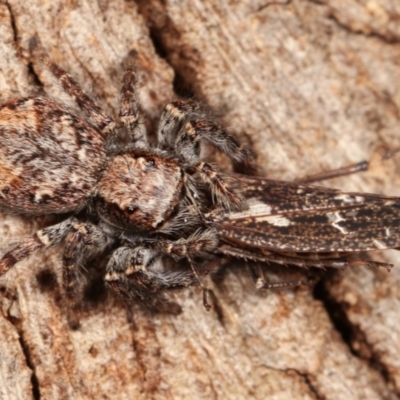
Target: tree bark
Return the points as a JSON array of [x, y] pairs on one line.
[[311, 86]]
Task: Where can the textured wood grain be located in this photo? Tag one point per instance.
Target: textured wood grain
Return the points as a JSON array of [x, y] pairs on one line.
[[312, 86]]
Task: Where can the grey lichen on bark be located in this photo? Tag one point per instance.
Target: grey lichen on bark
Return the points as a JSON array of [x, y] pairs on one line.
[[311, 86]]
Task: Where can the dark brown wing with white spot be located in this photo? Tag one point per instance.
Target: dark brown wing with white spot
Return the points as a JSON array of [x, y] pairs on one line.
[[50, 159], [288, 217]]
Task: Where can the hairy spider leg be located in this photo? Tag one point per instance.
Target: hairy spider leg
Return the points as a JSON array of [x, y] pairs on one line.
[[183, 125], [129, 110], [104, 123], [83, 241], [129, 275], [43, 238], [198, 244]]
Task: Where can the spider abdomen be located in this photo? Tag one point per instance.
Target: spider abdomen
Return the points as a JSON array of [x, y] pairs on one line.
[[50, 158]]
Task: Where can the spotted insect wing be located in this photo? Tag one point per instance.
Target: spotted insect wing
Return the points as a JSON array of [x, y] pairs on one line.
[[306, 225]]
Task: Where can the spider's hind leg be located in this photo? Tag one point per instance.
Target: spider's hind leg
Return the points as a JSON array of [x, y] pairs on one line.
[[97, 116], [44, 238]]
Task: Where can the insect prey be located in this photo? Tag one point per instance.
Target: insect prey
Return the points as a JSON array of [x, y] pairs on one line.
[[143, 206], [304, 225]]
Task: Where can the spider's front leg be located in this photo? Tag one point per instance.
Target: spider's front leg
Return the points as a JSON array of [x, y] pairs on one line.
[[182, 129], [222, 191], [183, 126], [200, 244], [132, 275]]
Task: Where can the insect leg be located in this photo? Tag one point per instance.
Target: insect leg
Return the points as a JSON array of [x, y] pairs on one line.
[[129, 109], [84, 240], [97, 116], [194, 246], [44, 238], [260, 282]]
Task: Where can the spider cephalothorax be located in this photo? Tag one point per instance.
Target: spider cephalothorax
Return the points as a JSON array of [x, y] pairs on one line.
[[132, 177]]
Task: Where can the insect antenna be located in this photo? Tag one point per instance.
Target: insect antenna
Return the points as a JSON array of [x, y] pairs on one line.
[[350, 169]]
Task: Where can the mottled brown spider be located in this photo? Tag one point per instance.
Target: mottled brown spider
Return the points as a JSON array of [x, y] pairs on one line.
[[146, 201]]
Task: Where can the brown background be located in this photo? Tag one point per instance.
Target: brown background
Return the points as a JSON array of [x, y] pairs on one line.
[[312, 85]]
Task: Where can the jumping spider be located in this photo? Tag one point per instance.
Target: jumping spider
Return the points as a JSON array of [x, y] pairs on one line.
[[146, 201]]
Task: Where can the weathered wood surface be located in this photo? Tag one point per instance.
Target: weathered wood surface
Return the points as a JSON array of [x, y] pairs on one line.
[[312, 86]]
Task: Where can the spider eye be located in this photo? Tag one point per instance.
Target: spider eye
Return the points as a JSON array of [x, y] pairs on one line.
[[175, 211], [151, 163], [131, 210]]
